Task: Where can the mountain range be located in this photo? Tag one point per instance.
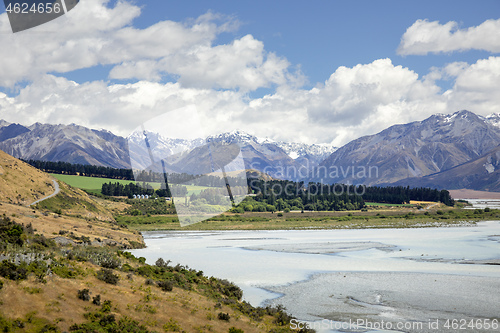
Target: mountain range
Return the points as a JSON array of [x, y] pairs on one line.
[[193, 156], [67, 143], [402, 152], [78, 144], [459, 150]]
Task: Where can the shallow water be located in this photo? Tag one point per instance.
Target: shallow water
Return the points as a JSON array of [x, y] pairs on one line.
[[305, 269], [484, 203]]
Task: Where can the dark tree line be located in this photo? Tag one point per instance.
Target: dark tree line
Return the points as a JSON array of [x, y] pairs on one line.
[[82, 169], [284, 194], [316, 196], [127, 174], [401, 195], [128, 190]]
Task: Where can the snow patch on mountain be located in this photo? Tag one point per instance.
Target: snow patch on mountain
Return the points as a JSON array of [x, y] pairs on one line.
[[296, 150], [494, 119]]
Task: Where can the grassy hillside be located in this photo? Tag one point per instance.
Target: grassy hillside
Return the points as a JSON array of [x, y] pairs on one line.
[[20, 183], [63, 269], [85, 289]]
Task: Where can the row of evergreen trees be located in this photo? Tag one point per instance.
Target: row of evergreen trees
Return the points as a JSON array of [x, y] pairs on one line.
[[316, 196], [401, 195], [127, 174], [128, 190], [284, 194], [82, 169]]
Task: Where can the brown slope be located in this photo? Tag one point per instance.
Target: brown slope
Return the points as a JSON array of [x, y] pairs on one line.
[[20, 183]]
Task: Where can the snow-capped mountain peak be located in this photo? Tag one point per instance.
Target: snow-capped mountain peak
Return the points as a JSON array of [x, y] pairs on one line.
[[296, 150], [494, 119]]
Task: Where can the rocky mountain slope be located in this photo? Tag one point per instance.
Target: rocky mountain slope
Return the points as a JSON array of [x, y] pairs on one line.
[[482, 174], [278, 159], [417, 149], [68, 143], [78, 144]]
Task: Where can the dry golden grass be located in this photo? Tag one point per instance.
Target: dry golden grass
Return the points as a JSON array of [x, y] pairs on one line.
[[75, 202], [20, 183], [57, 302], [50, 224]]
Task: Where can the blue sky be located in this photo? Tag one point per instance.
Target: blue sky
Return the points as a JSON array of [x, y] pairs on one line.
[[317, 71], [323, 35]]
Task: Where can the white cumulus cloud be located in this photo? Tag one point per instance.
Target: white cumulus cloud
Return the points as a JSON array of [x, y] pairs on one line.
[[425, 37], [94, 34], [353, 102]]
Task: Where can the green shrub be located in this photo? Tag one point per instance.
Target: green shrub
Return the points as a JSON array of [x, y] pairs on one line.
[[103, 257], [162, 263], [84, 295], [235, 330], [286, 210], [11, 232], [13, 272], [107, 276], [172, 326], [48, 328], [223, 316], [280, 214], [166, 285], [96, 300]]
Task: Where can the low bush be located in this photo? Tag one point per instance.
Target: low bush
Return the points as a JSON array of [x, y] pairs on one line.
[[96, 300], [84, 295], [12, 271], [166, 285], [107, 276], [235, 330], [223, 316]]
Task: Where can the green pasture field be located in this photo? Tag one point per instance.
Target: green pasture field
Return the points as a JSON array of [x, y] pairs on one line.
[[195, 189], [94, 184]]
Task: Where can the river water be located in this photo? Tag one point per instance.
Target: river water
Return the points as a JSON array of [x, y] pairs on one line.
[[367, 276], [368, 280]]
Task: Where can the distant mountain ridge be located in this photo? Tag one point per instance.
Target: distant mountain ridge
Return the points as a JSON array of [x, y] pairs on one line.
[[78, 144], [482, 174], [417, 149], [264, 155], [68, 143], [440, 151]]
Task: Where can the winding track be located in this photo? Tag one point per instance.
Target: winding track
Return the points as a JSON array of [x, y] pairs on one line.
[[56, 192]]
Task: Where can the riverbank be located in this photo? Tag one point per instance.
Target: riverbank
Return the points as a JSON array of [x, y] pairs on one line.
[[374, 218]]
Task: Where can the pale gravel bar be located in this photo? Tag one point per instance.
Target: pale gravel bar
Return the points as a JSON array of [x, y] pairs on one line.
[[394, 297]]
